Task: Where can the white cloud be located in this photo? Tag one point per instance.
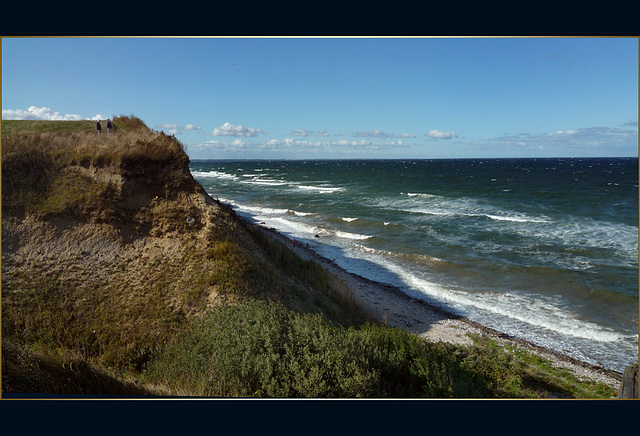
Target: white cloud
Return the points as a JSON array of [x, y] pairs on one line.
[[591, 140], [375, 133], [305, 133], [41, 113], [297, 145], [171, 129], [567, 132], [302, 133], [230, 130], [437, 134], [175, 129]]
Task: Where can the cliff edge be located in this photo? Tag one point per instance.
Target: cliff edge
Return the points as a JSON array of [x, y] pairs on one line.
[[110, 247]]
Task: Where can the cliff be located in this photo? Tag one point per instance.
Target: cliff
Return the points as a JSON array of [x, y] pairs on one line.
[[121, 276], [110, 247]]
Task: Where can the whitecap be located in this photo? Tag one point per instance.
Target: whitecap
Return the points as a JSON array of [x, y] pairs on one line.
[[305, 230], [422, 195], [348, 235], [214, 174], [299, 229], [266, 182], [261, 210], [297, 213], [513, 218], [320, 188]]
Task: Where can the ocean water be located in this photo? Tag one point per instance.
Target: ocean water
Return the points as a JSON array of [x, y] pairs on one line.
[[541, 249]]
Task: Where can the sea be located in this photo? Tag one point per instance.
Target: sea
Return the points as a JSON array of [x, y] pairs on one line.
[[545, 250]]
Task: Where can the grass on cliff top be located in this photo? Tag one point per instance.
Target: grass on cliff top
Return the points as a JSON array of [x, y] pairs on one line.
[[44, 162], [120, 123], [62, 143]]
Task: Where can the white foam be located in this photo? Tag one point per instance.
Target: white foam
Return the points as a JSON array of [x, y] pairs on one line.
[[321, 189], [295, 212], [423, 258], [304, 230], [432, 212], [588, 233], [515, 307], [514, 218], [421, 195], [297, 228], [266, 182], [348, 235], [348, 219], [261, 210], [462, 207], [503, 310], [215, 174]]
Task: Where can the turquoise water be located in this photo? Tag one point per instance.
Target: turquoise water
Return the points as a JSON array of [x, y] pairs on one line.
[[542, 249]]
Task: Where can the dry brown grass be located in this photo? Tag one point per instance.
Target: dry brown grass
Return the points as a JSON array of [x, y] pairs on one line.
[[91, 147], [37, 158]]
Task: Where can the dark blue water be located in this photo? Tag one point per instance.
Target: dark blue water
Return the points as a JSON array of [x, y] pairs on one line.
[[543, 249]]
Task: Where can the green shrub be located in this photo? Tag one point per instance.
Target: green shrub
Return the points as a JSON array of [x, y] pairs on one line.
[[261, 349], [77, 195]]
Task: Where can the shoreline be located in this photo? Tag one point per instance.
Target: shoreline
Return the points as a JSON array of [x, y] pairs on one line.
[[389, 304]]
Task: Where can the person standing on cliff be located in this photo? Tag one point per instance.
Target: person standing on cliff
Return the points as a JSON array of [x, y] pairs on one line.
[[98, 126], [108, 126]]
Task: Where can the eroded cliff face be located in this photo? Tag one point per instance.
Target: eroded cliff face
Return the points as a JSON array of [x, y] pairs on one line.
[[141, 200], [109, 254], [121, 247], [108, 260]]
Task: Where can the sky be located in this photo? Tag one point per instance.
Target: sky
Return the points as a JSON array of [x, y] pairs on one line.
[[333, 97]]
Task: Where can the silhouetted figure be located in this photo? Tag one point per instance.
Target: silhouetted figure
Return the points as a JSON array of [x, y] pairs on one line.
[[98, 126], [108, 126]]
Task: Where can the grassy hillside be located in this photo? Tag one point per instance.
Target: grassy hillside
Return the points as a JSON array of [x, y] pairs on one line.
[[120, 276]]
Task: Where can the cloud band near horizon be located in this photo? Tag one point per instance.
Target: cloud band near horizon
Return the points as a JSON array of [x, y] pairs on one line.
[[589, 139]]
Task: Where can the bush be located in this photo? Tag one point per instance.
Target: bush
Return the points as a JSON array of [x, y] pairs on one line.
[[260, 349]]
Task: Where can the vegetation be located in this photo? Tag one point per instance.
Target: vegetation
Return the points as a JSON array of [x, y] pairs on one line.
[[45, 164], [132, 288]]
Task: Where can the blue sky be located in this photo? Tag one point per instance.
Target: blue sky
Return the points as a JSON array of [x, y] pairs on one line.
[[302, 98]]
